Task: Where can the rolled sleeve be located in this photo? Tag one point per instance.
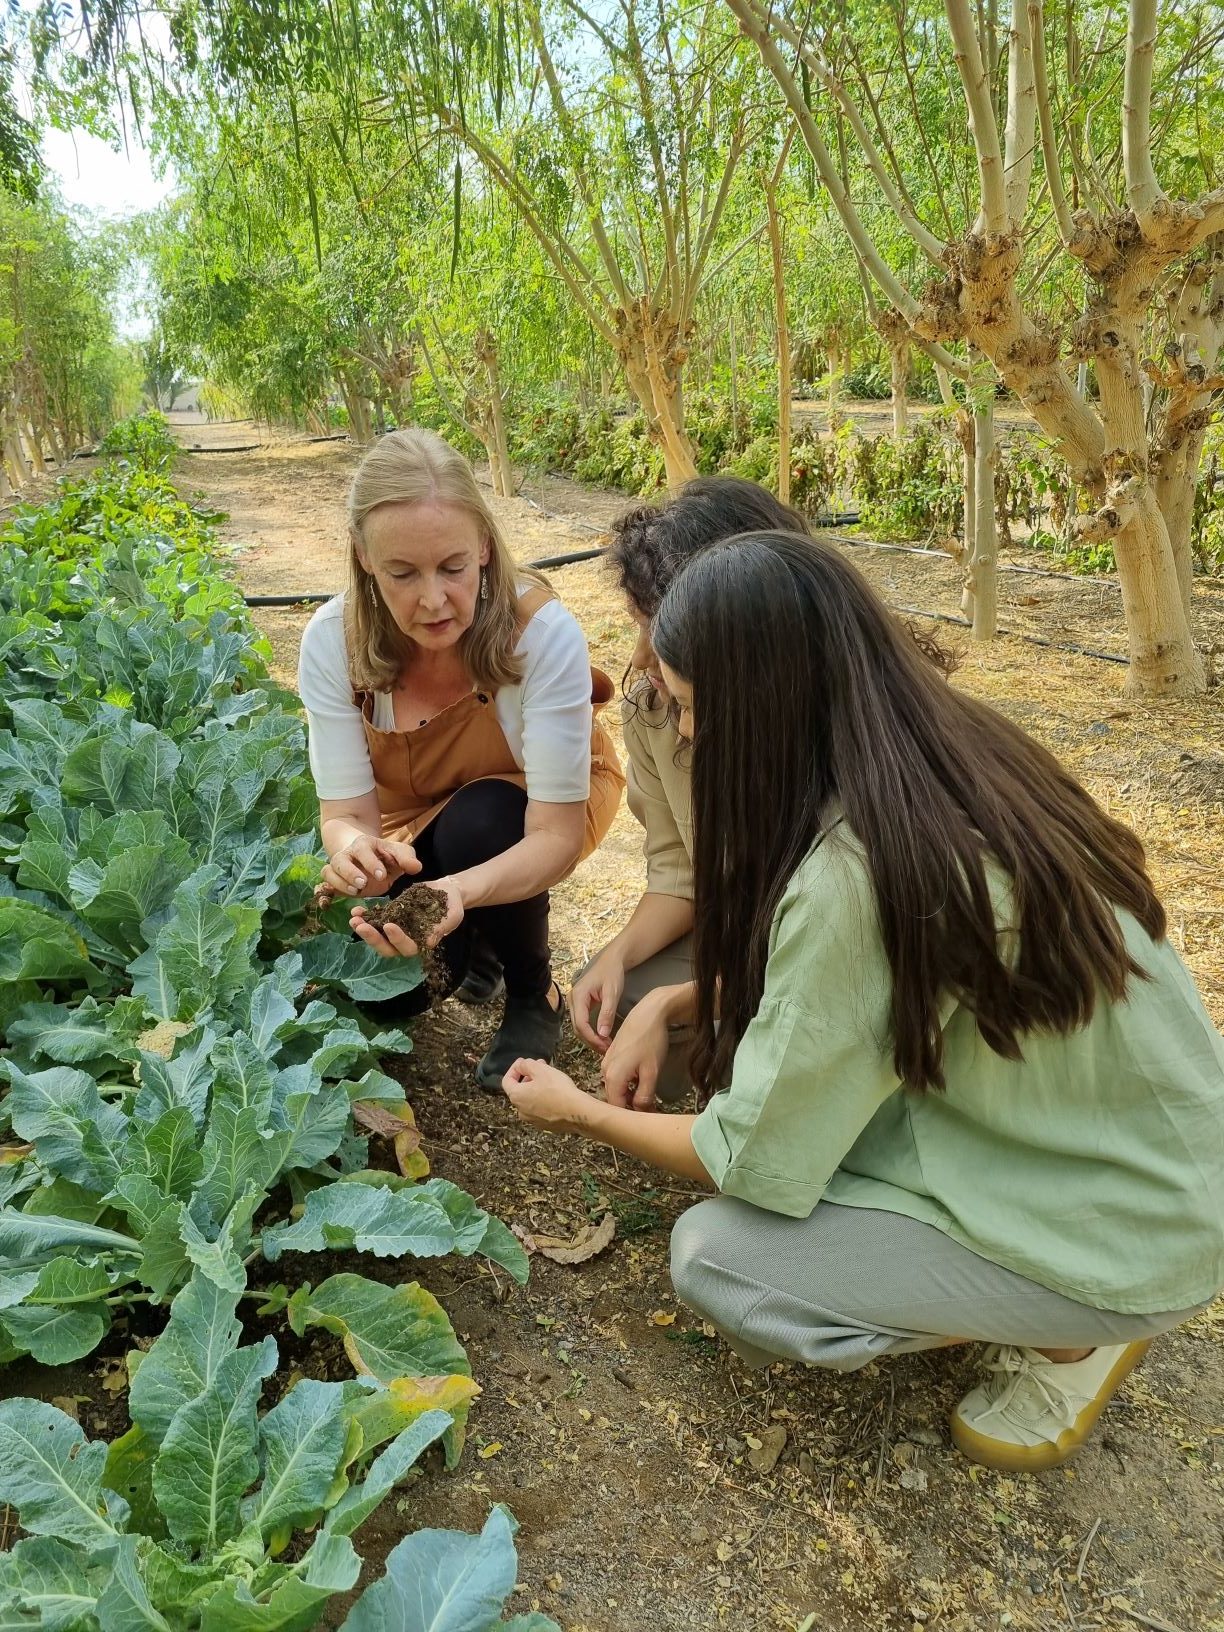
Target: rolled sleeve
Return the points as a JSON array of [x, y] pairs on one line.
[[669, 867], [556, 710], [798, 1100], [336, 742]]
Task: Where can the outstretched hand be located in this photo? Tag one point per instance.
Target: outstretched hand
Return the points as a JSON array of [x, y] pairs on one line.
[[546, 1097]]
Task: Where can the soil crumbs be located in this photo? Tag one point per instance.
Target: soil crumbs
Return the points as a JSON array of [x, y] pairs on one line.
[[660, 1485]]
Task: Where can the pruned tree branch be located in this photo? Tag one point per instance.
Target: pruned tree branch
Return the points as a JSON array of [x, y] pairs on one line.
[[975, 82]]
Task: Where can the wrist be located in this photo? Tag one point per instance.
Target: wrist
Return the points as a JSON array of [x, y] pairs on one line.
[[592, 1119], [462, 885], [670, 1004]]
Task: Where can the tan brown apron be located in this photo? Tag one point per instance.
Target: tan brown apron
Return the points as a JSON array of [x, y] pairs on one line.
[[417, 773]]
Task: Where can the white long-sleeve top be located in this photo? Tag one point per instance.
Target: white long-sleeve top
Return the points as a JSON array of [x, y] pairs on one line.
[[546, 717]]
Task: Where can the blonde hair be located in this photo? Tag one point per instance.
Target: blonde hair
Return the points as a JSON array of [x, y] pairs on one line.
[[415, 466]]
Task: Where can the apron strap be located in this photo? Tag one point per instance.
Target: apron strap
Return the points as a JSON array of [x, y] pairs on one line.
[[530, 602]]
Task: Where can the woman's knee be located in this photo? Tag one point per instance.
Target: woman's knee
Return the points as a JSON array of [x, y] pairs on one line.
[[697, 1239], [480, 822]]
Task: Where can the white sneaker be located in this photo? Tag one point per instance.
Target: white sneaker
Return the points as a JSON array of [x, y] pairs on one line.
[[1033, 1413]]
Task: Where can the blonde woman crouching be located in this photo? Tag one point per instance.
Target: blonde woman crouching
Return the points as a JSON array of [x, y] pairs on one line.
[[452, 738]]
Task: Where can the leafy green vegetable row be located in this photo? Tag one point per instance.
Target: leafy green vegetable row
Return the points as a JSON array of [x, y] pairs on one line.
[[191, 1089], [182, 1523], [177, 1079]]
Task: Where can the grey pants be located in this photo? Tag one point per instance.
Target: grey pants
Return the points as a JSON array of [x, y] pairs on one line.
[[849, 1284], [671, 967]]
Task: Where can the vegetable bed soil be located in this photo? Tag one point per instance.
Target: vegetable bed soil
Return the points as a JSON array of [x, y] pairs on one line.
[[660, 1485]]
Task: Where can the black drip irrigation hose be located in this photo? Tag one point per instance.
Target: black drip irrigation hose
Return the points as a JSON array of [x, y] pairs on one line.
[[314, 597], [1012, 634]]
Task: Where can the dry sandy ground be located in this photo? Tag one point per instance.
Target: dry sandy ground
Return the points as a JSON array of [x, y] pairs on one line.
[[617, 1431]]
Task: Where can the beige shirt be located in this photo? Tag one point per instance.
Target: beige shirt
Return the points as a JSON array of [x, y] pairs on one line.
[[660, 793]]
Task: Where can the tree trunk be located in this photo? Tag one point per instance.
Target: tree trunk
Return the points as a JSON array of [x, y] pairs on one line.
[[660, 406], [1174, 486], [984, 569], [1164, 662], [735, 424], [836, 359], [357, 409], [503, 477], [965, 436], [784, 374], [35, 451], [899, 356]]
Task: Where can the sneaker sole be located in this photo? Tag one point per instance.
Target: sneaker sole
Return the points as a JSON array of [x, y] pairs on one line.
[[1008, 1458]]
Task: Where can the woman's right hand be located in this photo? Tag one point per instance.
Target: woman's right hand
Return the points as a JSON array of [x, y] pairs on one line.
[[369, 866], [602, 983], [631, 1066]]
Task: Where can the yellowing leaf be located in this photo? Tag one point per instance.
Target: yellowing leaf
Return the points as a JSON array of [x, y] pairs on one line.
[[404, 1399], [397, 1123], [662, 1318], [490, 1450]]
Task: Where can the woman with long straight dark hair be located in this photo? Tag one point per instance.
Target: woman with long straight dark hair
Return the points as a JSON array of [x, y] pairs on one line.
[[629, 985], [957, 1085]]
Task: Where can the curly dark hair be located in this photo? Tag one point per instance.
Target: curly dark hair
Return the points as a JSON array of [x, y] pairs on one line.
[[651, 542]]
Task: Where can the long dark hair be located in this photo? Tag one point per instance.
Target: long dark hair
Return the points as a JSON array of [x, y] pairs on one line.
[[809, 697]]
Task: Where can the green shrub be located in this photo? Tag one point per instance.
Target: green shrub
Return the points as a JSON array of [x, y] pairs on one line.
[[145, 438]]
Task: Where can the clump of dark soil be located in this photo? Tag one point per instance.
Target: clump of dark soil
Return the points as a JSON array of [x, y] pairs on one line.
[[417, 911]]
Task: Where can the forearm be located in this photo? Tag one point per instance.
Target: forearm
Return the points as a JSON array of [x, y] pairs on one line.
[[535, 863], [664, 1141], [340, 831], [657, 922], [340, 822]]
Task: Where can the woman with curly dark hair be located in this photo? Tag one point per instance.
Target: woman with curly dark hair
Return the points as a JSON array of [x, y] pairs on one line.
[[644, 965]]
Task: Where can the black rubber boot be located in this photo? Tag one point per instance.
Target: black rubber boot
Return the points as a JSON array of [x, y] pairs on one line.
[[530, 1030], [483, 980]]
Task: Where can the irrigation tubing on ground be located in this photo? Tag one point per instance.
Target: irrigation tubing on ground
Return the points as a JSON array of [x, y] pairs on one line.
[[313, 597], [1013, 634]]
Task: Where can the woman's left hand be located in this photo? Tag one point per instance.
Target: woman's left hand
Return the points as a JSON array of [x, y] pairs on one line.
[[393, 942], [546, 1097]]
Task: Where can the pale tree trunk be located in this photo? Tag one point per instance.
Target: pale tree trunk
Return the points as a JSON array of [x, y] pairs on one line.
[[899, 356], [653, 378], [965, 436], [838, 360], [974, 297], [1190, 376], [983, 570], [34, 448], [14, 456], [783, 338], [357, 409], [893, 329], [734, 373], [499, 457]]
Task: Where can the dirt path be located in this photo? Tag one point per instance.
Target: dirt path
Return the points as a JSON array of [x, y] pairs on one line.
[[617, 1431]]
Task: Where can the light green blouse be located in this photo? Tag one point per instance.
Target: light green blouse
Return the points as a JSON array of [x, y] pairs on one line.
[[1095, 1166]]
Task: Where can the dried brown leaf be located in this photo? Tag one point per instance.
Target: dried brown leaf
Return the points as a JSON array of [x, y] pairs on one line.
[[766, 1447], [590, 1240]]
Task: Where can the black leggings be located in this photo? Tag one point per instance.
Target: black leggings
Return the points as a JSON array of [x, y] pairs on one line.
[[480, 822]]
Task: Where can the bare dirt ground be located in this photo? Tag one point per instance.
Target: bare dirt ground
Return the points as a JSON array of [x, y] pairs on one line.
[[622, 1436]]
